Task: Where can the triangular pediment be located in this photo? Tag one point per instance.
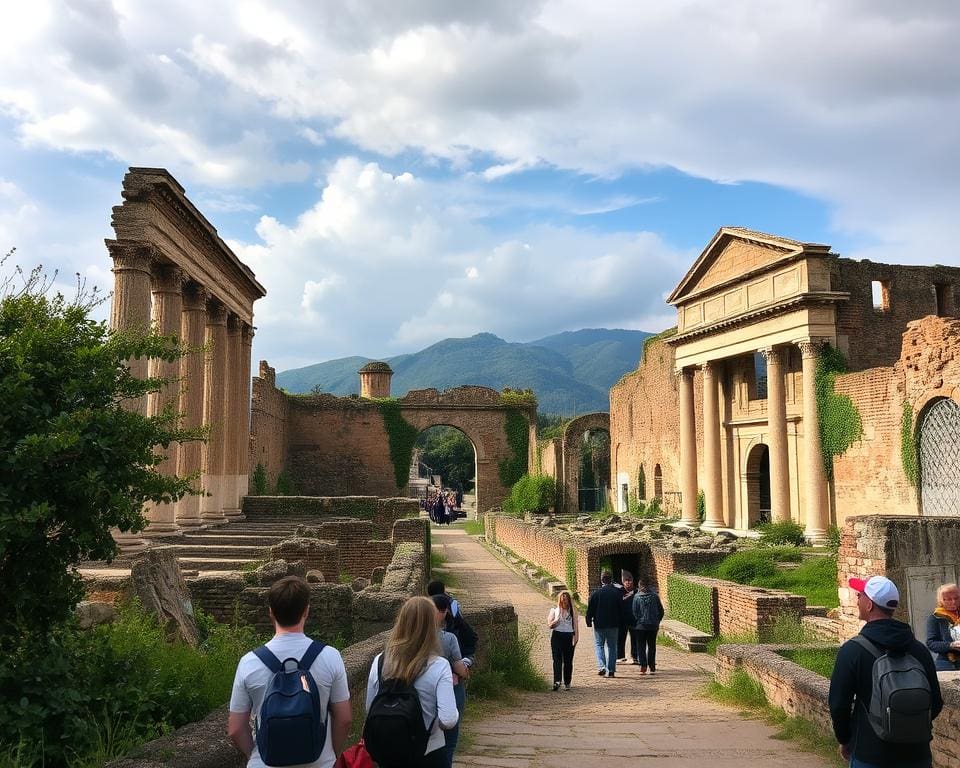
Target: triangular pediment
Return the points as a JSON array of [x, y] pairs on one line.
[[735, 252]]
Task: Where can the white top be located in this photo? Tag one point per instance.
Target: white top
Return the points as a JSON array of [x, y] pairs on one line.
[[435, 689], [566, 620], [250, 685]]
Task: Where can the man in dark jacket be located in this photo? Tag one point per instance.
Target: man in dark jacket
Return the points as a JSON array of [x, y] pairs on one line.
[[603, 614], [851, 684], [647, 613], [627, 591]]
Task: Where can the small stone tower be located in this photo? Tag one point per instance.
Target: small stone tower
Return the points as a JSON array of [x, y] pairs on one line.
[[375, 380]]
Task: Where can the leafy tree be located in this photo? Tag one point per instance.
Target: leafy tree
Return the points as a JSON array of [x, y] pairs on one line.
[[449, 453], [74, 462]]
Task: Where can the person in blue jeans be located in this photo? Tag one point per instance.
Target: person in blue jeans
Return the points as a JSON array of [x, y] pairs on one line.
[[603, 614]]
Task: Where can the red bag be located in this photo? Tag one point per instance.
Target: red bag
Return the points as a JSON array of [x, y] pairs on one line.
[[355, 757]]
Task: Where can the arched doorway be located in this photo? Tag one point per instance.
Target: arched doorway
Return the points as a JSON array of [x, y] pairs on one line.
[[758, 485], [939, 458], [594, 472], [444, 457]]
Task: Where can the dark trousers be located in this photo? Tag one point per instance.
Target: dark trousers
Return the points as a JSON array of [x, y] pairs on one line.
[[648, 647], [561, 646], [622, 642]]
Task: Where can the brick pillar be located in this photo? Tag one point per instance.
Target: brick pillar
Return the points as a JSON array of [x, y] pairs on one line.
[[777, 440], [211, 505], [712, 481], [167, 311], [231, 424], [193, 324], [816, 518], [130, 310], [688, 450], [243, 435]]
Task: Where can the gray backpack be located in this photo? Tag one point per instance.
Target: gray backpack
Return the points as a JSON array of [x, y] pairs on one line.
[[901, 699]]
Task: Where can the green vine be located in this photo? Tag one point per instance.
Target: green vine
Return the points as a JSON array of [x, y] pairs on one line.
[[518, 398], [840, 424], [401, 436], [690, 603], [518, 439], [571, 558], [647, 342], [908, 446]]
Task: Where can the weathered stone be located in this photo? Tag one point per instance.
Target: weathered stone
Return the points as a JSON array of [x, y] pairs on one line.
[[314, 576], [376, 577], [359, 583], [155, 578], [701, 542], [91, 614]]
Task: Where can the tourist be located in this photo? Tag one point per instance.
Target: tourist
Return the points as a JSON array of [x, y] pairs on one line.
[[562, 620], [647, 613], [450, 650], [412, 657], [943, 628], [852, 684], [603, 614], [289, 601], [626, 618]]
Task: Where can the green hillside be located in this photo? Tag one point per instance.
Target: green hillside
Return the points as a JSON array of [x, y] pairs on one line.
[[570, 372]]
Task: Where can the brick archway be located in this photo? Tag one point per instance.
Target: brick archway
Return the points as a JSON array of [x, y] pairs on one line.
[[570, 451]]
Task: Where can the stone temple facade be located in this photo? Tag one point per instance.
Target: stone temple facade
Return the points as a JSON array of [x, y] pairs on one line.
[[172, 272], [724, 404]]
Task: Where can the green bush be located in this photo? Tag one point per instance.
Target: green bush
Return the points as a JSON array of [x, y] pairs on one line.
[[508, 665], [833, 539], [285, 485], [259, 485], [701, 506], [746, 567], [690, 603], [531, 493], [778, 534]]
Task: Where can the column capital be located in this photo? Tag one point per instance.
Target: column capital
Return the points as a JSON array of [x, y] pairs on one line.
[[769, 353], [234, 324], [168, 278], [689, 370], [216, 312], [811, 348], [248, 332], [194, 297], [131, 255]]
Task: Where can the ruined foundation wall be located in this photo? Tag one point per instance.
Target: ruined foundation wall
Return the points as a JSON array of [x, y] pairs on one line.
[[268, 425]]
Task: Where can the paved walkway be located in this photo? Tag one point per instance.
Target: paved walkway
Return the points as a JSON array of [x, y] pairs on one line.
[[661, 720]]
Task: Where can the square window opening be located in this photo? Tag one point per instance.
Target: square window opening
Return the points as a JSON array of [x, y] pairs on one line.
[[880, 291]]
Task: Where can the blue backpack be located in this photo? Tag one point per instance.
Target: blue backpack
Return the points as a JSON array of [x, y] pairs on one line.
[[291, 728]]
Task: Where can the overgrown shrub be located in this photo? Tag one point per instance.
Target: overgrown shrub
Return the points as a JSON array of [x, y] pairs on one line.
[[701, 506], [833, 539], [259, 485], [785, 532], [531, 493], [517, 428], [509, 664], [690, 603], [285, 485], [745, 567]]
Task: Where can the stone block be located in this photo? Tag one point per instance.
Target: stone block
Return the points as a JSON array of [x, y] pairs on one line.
[[92, 614], [156, 580]]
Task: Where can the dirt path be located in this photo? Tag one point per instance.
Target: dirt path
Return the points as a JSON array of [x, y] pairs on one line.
[[662, 720]]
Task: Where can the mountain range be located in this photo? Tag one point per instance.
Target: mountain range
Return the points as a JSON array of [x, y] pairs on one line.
[[570, 373]]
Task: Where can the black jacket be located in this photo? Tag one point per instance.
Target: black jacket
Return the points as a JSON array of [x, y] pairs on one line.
[[851, 687], [647, 610], [938, 641], [464, 632], [626, 605], [603, 608]]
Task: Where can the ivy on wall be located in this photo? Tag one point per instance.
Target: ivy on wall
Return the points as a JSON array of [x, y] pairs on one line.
[[514, 466], [401, 436], [840, 424], [651, 339], [690, 603], [908, 446], [571, 561]]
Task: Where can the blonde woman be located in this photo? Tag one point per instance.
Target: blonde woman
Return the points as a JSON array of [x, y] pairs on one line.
[[562, 619], [410, 677], [943, 629]]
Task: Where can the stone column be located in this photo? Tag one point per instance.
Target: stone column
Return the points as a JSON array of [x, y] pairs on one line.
[[712, 481], [777, 430], [688, 450], [167, 311], [231, 424], [193, 324], [243, 435], [130, 310], [211, 504], [816, 518]]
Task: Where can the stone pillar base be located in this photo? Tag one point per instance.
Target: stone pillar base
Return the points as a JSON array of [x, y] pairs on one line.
[[712, 525], [816, 536], [129, 543], [160, 529]]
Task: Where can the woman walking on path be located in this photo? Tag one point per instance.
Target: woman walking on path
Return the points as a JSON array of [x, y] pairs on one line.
[[562, 619], [648, 613], [412, 658]]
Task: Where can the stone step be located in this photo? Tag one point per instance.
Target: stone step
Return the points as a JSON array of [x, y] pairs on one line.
[[220, 550], [215, 563], [687, 637], [556, 587], [225, 540]]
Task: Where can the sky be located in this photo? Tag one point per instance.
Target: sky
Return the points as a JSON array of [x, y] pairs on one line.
[[396, 172]]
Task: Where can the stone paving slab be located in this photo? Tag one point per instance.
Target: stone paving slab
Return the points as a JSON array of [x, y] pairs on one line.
[[660, 721]]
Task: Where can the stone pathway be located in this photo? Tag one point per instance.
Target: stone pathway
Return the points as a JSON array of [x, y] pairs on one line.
[[661, 720]]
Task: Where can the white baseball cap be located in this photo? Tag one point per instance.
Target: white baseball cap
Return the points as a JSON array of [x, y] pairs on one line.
[[879, 589]]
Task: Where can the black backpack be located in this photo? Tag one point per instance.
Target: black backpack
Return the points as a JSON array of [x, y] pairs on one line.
[[291, 728], [901, 698], [394, 733]]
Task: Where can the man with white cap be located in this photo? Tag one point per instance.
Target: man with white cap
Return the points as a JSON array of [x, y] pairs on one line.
[[895, 733]]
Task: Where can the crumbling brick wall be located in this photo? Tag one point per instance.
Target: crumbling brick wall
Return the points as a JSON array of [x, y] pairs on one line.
[[268, 424]]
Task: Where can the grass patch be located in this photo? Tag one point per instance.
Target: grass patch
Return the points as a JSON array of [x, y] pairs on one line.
[[815, 578], [474, 527], [744, 692], [819, 660], [438, 562]]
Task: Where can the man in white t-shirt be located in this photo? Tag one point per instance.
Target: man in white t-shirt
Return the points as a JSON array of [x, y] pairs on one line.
[[289, 600]]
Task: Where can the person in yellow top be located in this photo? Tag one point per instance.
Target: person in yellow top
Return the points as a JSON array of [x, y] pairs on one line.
[[943, 629]]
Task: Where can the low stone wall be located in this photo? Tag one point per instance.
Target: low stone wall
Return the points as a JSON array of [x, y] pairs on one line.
[[204, 744], [382, 512], [802, 693]]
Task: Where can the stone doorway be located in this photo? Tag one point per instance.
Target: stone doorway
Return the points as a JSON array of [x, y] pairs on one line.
[[758, 485], [594, 471], [939, 455]]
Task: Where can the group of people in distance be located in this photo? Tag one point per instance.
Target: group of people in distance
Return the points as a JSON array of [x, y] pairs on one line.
[[442, 505], [290, 703]]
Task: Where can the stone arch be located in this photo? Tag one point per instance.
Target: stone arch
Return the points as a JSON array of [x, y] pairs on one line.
[[635, 556], [570, 451], [938, 456], [758, 484]]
